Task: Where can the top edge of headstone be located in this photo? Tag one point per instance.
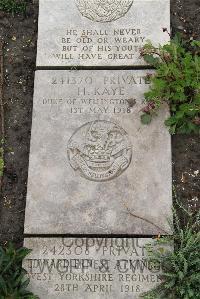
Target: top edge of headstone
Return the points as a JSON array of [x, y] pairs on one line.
[[93, 33]]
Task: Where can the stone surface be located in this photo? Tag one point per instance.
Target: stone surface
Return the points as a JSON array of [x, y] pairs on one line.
[[94, 168], [99, 33], [90, 268]]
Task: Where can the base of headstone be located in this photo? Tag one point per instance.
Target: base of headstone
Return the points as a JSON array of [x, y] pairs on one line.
[[90, 268]]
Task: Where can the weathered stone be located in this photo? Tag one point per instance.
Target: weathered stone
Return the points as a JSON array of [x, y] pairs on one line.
[[94, 168], [99, 33], [90, 268]]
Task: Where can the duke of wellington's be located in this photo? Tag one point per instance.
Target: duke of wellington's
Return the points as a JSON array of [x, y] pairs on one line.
[[99, 183]]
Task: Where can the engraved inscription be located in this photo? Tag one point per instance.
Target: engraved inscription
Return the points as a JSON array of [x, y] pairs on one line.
[[103, 11], [100, 150], [92, 267]]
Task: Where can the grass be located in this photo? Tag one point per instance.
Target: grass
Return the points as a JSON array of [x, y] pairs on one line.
[[13, 278], [181, 266], [13, 6]]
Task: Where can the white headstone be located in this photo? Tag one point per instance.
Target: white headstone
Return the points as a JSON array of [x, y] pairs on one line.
[[90, 268], [94, 168], [99, 33]]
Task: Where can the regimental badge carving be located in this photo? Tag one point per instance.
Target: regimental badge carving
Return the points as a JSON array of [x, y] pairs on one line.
[[100, 150], [103, 10]]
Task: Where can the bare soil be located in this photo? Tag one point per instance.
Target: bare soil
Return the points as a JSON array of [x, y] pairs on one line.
[[19, 34]]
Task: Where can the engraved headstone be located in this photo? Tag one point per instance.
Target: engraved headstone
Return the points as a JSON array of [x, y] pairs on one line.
[[90, 268], [94, 168], [99, 33]]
